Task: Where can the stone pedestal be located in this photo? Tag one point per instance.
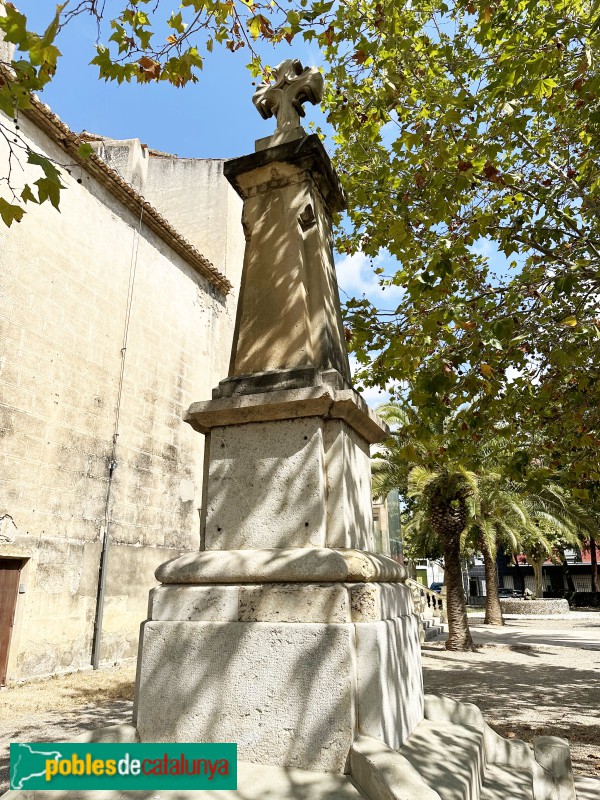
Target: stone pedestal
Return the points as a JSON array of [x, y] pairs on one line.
[[291, 670], [286, 633]]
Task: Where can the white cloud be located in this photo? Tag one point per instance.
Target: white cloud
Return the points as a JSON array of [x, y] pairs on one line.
[[356, 278], [372, 396]]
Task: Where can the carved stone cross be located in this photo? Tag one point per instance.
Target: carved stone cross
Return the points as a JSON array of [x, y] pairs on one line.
[[294, 85]]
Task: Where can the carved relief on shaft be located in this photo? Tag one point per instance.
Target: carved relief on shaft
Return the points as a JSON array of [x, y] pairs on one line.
[[294, 85]]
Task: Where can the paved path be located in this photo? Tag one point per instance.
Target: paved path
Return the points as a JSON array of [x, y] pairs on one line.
[[580, 630], [515, 634]]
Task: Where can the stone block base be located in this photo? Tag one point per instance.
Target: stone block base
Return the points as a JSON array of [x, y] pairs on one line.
[[290, 694], [283, 692], [281, 602], [390, 679]]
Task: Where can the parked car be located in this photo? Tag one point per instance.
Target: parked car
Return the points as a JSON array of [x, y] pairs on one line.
[[436, 587]]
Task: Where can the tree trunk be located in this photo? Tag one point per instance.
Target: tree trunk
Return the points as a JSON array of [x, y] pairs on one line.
[[459, 635], [566, 570], [594, 564], [538, 567], [518, 573], [493, 609]]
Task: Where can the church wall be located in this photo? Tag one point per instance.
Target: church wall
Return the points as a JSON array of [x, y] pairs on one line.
[[64, 280], [173, 185]]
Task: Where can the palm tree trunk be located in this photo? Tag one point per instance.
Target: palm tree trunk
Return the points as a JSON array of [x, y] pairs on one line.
[[459, 635], [493, 609], [566, 570], [594, 564]]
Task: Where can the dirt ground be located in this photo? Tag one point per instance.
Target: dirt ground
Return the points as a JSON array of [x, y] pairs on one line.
[[523, 690], [60, 708], [529, 690]]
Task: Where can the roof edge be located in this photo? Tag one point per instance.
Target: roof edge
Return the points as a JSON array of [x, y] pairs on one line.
[[40, 114]]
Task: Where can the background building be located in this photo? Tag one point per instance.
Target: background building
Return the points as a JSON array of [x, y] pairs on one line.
[[117, 312]]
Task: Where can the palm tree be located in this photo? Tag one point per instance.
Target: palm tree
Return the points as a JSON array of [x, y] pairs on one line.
[[499, 517], [558, 522], [457, 509], [443, 497]]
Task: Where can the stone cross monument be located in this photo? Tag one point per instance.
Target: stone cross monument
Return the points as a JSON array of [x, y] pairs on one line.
[[286, 633], [294, 85]]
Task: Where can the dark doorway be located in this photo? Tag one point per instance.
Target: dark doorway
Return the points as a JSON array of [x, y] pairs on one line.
[[10, 571]]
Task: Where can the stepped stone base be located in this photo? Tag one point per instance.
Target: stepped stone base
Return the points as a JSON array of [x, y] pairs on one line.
[[452, 755]]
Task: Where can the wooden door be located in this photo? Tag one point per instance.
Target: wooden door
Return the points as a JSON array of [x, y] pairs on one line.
[[10, 570]]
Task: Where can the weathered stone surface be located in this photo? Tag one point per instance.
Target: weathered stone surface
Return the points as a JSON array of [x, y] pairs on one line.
[[556, 605], [306, 482], [383, 774], [553, 754], [280, 137], [279, 380], [308, 155], [390, 683], [64, 305], [280, 566], [276, 473], [294, 322], [545, 769], [294, 603], [292, 85], [283, 692], [198, 603], [348, 467], [312, 401], [371, 602], [281, 602], [450, 758]]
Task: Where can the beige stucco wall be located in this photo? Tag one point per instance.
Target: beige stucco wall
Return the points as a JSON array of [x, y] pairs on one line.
[[64, 295], [190, 192]]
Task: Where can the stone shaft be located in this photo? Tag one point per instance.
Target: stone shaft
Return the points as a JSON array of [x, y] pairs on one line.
[[288, 311]]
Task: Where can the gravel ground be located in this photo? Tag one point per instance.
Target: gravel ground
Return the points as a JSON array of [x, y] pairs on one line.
[[529, 690], [523, 690], [58, 709]]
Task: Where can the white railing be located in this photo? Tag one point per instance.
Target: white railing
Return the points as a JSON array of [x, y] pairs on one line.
[[428, 604]]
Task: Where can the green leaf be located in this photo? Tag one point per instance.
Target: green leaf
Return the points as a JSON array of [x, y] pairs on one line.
[[14, 25], [176, 22], [10, 213], [85, 150], [50, 171], [48, 190], [27, 195]]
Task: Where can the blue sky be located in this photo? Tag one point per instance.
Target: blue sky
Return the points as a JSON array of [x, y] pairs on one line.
[[212, 119]]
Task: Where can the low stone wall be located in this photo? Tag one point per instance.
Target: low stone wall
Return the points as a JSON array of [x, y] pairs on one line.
[[548, 606]]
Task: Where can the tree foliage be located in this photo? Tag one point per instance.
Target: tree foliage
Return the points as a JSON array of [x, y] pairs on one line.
[[468, 136]]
